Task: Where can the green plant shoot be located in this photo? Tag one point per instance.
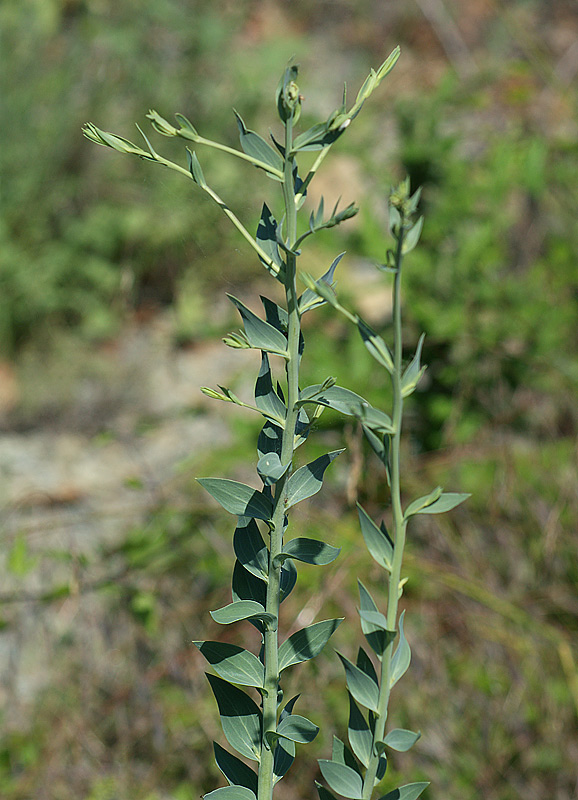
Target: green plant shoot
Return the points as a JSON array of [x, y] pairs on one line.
[[265, 573], [354, 771]]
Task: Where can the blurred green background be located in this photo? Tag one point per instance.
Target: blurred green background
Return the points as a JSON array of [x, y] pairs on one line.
[[111, 269]]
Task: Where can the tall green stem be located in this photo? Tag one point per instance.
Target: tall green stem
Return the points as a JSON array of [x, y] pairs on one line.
[[398, 527], [271, 641]]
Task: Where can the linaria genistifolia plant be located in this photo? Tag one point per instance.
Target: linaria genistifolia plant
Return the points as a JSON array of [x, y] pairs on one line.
[[366, 686], [264, 572]]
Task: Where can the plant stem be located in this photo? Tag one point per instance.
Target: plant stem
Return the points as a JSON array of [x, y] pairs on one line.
[[271, 641], [398, 527]]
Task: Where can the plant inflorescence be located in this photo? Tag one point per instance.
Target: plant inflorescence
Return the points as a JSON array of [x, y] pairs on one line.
[[263, 727]]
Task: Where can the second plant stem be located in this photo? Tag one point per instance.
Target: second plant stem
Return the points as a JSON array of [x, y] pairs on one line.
[[398, 526], [271, 641]]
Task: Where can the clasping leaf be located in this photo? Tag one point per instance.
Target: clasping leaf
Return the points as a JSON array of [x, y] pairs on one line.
[[267, 239], [373, 627], [240, 718], [342, 779], [230, 793], [363, 688], [242, 609], [435, 502], [401, 739], [235, 770], [411, 791], [414, 371], [233, 663], [307, 480], [376, 539], [260, 334], [402, 656], [238, 498], [256, 147], [310, 551], [306, 643]]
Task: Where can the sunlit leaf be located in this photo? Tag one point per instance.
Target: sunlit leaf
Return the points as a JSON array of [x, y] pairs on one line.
[[306, 643], [362, 687], [359, 733], [401, 739], [238, 498], [241, 609], [342, 779], [307, 480], [256, 147], [240, 717], [250, 548], [233, 663], [402, 656], [230, 793], [411, 791], [376, 539], [260, 333], [297, 729], [310, 551]]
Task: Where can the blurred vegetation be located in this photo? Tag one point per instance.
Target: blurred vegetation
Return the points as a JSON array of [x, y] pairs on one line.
[[484, 117]]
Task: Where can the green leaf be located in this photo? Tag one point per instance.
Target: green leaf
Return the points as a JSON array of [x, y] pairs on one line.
[[240, 718], [365, 664], [402, 656], [414, 371], [446, 502], [235, 770], [267, 239], [359, 733], [297, 729], [435, 503], [283, 757], [230, 793], [380, 446], [307, 480], [242, 609], [270, 439], [306, 643], [266, 398], [416, 506], [310, 551], [316, 138], [376, 346], [186, 124], [411, 238], [250, 548], [336, 397], [238, 498], [342, 779], [270, 468], [376, 540], [401, 739], [256, 147], [411, 791], [362, 687], [260, 334], [195, 169], [310, 299], [341, 754], [374, 419], [247, 585], [288, 579], [233, 663], [376, 633]]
